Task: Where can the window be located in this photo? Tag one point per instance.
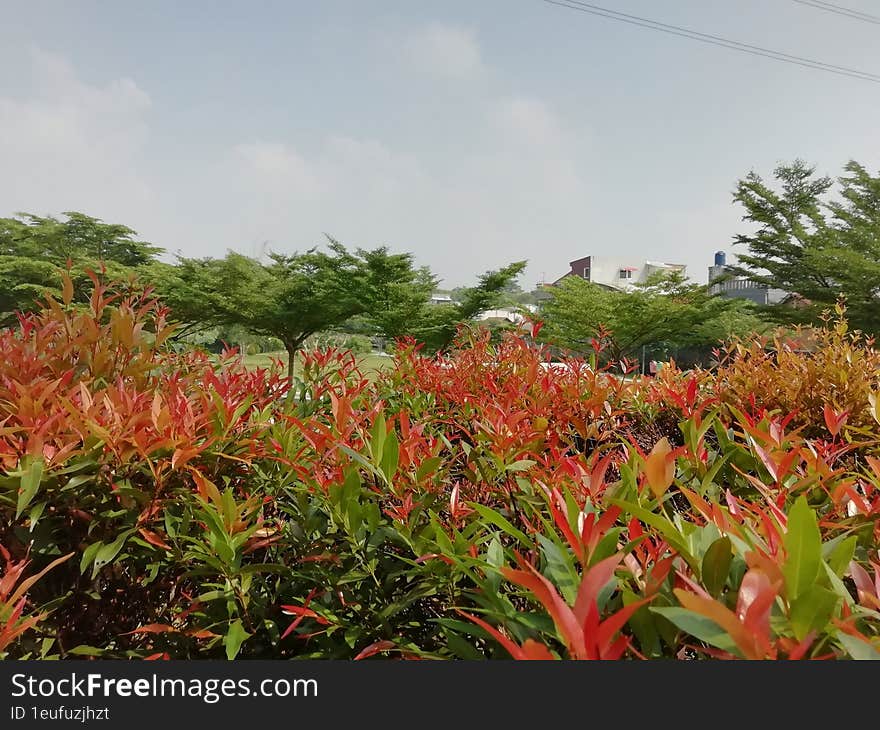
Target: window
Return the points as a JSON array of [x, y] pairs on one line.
[[626, 274]]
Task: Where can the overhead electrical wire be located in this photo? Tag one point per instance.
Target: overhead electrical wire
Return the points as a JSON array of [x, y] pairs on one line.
[[840, 10], [714, 40]]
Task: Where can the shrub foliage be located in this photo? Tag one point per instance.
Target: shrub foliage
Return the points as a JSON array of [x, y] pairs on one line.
[[164, 504]]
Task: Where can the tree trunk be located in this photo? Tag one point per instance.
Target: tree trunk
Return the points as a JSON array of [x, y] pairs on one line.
[[292, 348]]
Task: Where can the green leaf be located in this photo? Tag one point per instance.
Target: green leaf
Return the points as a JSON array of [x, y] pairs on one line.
[[838, 586], [812, 610], [427, 466], [607, 546], [35, 514], [716, 565], [84, 650], [496, 519], [390, 457], [461, 647], [559, 569], [78, 480], [803, 545], [89, 555], [212, 596], [713, 472], [642, 624], [107, 553], [857, 648], [377, 438], [30, 483], [672, 534], [698, 626], [495, 553], [839, 557], [521, 465], [359, 458], [235, 637]]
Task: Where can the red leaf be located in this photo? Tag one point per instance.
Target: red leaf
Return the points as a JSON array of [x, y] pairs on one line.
[[512, 648], [592, 582], [834, 421], [610, 626], [566, 622], [754, 601], [375, 649]]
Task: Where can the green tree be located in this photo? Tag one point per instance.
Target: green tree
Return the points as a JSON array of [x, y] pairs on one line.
[[395, 292], [439, 324], [664, 312], [291, 297], [33, 250], [814, 245]]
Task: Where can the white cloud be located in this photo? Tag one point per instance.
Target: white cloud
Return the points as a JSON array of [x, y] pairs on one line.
[[509, 187], [529, 120], [278, 168], [72, 145], [517, 197], [445, 51]]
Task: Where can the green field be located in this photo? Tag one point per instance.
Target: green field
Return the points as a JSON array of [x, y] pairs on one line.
[[369, 363]]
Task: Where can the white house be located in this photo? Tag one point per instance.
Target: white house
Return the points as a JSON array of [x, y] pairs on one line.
[[617, 272], [511, 315]]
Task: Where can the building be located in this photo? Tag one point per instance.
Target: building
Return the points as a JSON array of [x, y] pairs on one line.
[[514, 315], [615, 272], [723, 281], [440, 299]]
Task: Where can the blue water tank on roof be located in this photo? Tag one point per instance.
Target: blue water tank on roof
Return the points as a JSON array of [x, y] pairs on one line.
[[720, 258]]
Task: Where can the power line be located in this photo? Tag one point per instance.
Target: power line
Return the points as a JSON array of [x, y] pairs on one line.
[[840, 10], [714, 40]]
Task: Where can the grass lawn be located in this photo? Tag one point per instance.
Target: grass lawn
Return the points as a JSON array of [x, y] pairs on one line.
[[370, 363]]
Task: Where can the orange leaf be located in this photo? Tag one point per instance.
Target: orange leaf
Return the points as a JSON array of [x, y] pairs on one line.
[[529, 650], [756, 596], [66, 288], [154, 539], [722, 616], [660, 467], [153, 629]]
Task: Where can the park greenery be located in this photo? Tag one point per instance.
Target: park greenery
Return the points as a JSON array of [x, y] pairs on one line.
[[813, 244], [163, 498], [666, 314]]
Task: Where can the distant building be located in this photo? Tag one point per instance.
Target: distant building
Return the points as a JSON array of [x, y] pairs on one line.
[[516, 316], [615, 272], [723, 281], [440, 299]]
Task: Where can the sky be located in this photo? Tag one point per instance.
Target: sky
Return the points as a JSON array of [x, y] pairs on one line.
[[472, 133]]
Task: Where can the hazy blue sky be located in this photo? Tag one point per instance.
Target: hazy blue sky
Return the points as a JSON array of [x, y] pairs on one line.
[[470, 132]]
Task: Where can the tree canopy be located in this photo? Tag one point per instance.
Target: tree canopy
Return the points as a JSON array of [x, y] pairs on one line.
[[439, 323], [812, 244], [34, 248], [664, 312], [293, 296]]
